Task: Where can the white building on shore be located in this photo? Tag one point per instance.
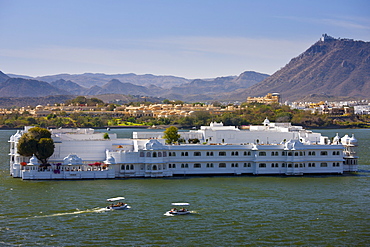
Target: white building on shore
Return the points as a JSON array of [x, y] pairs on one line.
[[272, 148]]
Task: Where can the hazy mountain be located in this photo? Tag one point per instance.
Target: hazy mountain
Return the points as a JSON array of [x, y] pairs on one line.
[[94, 90], [3, 77], [69, 86], [117, 87], [20, 76], [189, 90], [331, 67], [88, 80], [216, 89], [18, 87]]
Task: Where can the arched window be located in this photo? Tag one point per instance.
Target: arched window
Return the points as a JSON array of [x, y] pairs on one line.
[[122, 167], [155, 167], [131, 167], [159, 154], [222, 165], [154, 154], [142, 154], [164, 154], [148, 154]]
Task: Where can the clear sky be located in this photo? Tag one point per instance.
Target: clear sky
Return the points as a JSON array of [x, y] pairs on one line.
[[187, 38]]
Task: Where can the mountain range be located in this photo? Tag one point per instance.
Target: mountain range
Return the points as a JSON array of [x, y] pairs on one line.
[[330, 68], [181, 89]]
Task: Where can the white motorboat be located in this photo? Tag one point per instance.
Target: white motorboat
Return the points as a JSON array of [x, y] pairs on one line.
[[116, 203], [178, 211]]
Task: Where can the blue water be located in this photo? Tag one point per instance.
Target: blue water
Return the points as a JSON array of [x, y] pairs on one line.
[[229, 211]]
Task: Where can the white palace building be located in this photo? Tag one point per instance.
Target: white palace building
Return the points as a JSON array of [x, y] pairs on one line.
[[268, 149]]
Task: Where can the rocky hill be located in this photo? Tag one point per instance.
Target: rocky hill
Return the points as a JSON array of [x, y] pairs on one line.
[[335, 68]]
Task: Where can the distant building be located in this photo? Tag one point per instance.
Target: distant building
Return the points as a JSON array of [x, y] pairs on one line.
[[362, 109], [326, 37], [270, 98]]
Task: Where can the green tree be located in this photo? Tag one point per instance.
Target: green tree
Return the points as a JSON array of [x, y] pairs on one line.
[[171, 135], [37, 141]]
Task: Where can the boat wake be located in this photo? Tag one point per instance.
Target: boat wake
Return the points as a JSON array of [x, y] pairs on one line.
[[94, 210]]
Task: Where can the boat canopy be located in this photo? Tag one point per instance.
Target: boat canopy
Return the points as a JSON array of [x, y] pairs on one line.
[[180, 204], [115, 199]]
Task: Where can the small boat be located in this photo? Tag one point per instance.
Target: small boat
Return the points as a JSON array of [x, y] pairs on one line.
[[117, 204], [179, 211]]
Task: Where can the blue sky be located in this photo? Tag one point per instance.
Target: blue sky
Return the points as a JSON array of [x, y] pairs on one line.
[[188, 38]]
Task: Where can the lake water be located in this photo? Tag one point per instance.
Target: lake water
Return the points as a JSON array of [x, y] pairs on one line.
[[229, 211]]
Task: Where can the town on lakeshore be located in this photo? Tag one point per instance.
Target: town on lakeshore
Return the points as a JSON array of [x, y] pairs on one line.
[[92, 112]]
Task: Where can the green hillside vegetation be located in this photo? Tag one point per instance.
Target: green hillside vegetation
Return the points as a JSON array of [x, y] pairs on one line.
[[248, 114]]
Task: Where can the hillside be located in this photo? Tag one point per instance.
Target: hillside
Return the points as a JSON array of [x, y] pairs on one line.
[[335, 68], [3, 77], [18, 87]]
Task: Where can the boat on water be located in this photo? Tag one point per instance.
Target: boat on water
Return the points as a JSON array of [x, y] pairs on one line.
[[267, 149], [178, 211], [117, 204]]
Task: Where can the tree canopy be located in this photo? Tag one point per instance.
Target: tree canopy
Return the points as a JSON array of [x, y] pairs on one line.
[[37, 141], [171, 135]]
